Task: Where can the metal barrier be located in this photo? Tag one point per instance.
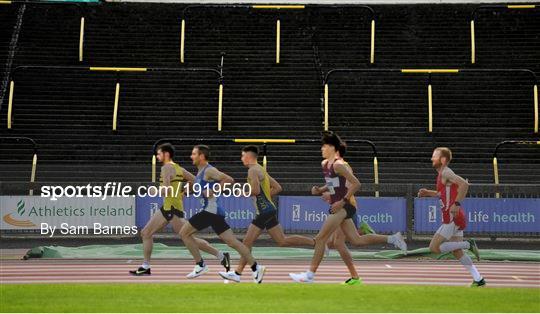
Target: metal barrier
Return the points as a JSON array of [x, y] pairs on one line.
[[354, 6], [264, 142], [495, 162], [278, 22], [34, 157], [198, 6], [117, 70], [493, 7], [82, 13], [256, 7], [328, 75]]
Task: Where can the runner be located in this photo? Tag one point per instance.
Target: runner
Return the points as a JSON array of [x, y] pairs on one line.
[[263, 188], [171, 178], [212, 215], [452, 189], [342, 209]]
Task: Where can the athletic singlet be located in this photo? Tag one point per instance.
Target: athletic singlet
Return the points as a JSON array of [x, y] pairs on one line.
[[336, 184], [208, 204], [174, 200], [448, 193], [263, 202]]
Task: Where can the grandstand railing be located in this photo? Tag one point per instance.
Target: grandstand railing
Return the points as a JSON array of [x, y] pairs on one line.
[[117, 70], [353, 6], [278, 8], [265, 142], [19, 139], [278, 24], [264, 7], [325, 100], [495, 161], [492, 7], [82, 13]]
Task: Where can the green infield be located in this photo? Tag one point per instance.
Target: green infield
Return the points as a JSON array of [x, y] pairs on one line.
[[263, 298]]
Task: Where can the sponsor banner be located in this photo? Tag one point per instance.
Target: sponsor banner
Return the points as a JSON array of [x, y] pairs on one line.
[[384, 214], [30, 212], [484, 215], [239, 211]]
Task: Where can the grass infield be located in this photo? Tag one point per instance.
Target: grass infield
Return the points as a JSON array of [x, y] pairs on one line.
[[291, 297]]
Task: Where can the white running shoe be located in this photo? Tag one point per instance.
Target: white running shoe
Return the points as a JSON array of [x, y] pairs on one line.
[[258, 275], [230, 275], [301, 277], [399, 242], [197, 271]]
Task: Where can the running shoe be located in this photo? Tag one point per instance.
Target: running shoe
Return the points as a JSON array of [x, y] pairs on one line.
[[301, 278], [479, 283], [226, 261], [230, 275], [258, 275], [197, 271], [352, 281], [141, 271]]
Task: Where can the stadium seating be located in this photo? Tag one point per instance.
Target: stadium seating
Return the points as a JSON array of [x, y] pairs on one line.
[[69, 112]]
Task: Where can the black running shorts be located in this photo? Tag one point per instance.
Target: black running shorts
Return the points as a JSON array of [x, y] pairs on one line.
[[349, 209], [266, 220], [168, 214], [205, 219]]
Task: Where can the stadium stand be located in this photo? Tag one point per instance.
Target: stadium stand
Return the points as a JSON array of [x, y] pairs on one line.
[[69, 111]]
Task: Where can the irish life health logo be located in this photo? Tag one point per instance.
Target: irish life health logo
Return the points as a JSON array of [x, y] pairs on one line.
[[296, 212], [20, 212], [432, 214]]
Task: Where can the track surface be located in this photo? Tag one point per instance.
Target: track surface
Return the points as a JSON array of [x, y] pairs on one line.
[[497, 274]]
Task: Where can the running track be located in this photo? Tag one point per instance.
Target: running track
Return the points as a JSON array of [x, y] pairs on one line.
[[497, 274]]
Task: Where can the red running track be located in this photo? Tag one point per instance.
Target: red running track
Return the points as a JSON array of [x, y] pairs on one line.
[[497, 274]]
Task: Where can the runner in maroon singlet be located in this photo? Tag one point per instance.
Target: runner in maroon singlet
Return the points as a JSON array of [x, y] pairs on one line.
[[342, 207]]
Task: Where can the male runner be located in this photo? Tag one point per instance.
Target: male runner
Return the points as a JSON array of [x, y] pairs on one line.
[[172, 211], [212, 215], [337, 240], [263, 188], [452, 189], [337, 174]]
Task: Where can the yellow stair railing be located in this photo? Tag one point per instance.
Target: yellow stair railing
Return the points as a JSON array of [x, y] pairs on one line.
[[492, 7], [496, 162], [326, 96], [117, 70], [34, 157]]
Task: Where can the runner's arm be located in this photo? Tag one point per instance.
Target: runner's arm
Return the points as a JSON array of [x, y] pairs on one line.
[[275, 187], [346, 172], [427, 193], [189, 178]]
